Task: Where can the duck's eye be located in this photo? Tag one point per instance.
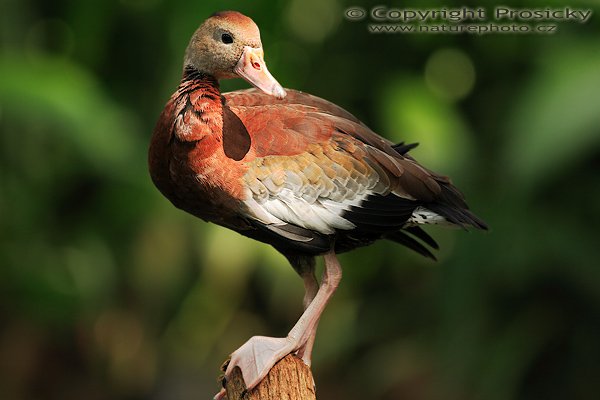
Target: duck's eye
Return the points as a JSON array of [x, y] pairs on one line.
[[226, 38]]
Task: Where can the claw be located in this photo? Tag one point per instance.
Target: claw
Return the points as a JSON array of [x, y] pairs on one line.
[[222, 395]]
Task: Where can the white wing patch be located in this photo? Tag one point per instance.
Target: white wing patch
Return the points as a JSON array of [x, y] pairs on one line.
[[423, 216], [323, 216]]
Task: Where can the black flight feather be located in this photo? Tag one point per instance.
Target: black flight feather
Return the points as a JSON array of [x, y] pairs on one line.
[[405, 240]]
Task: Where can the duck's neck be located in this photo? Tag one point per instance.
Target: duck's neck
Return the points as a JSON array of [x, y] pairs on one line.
[[200, 106], [191, 74]]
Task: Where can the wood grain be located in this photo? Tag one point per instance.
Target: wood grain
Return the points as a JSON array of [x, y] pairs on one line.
[[289, 379]]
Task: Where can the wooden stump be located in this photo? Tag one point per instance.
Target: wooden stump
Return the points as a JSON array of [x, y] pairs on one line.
[[289, 379]]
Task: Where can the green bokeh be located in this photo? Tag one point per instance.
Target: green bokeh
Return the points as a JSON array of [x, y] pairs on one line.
[[109, 292]]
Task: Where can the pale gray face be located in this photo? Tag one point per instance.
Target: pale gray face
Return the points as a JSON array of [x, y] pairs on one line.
[[217, 45], [227, 45]]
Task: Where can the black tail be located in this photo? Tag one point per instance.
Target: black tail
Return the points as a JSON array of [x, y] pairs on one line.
[[402, 237], [402, 148], [450, 203]]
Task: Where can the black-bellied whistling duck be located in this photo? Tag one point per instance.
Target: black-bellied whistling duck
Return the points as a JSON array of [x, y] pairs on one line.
[[288, 169]]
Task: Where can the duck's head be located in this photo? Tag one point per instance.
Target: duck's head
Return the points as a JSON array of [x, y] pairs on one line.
[[227, 45]]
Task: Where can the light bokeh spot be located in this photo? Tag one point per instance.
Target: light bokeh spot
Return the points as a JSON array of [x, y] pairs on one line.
[[450, 74], [313, 20]]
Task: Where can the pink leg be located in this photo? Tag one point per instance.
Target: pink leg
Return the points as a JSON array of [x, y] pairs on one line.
[[311, 287], [257, 356]]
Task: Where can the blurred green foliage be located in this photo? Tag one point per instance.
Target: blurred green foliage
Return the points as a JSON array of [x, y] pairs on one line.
[[109, 292]]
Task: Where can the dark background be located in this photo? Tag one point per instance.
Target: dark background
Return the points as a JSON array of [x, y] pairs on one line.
[[109, 292]]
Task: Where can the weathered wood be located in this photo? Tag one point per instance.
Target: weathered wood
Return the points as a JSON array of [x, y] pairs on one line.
[[289, 379]]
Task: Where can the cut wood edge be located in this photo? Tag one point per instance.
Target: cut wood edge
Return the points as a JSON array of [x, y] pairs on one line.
[[289, 379]]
